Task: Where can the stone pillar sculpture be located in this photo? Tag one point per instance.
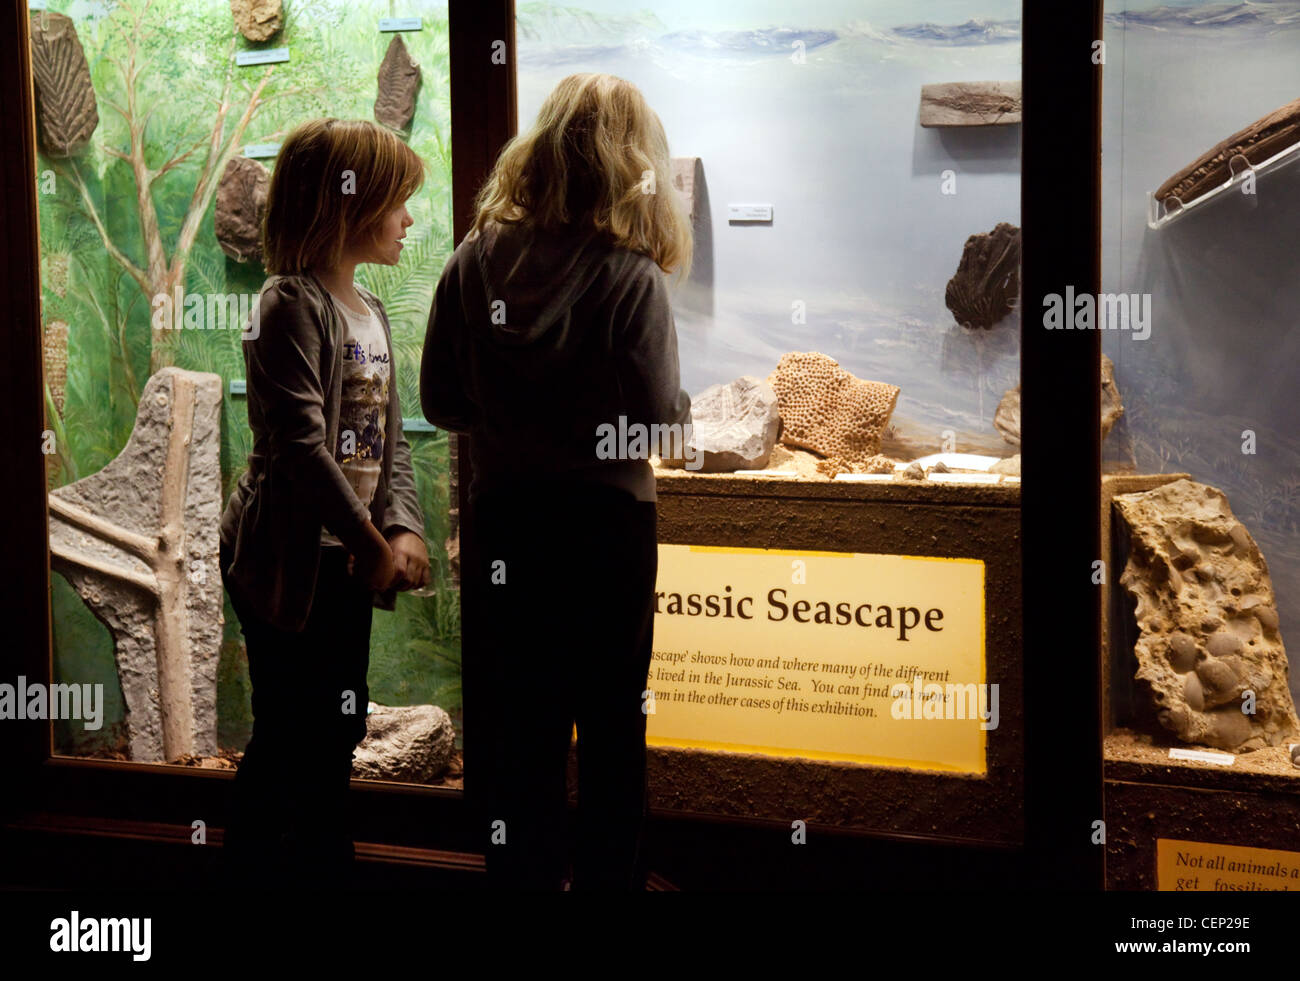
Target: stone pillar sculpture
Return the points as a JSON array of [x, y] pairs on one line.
[[139, 541]]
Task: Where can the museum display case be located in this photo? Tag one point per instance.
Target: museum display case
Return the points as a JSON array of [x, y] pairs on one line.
[[1200, 498], [151, 257], [848, 559], [850, 339]]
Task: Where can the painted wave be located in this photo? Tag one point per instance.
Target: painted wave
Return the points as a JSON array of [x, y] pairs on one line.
[[770, 40], [972, 32], [562, 34], [1212, 16]]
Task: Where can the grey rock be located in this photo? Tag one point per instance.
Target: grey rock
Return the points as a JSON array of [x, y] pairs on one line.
[[241, 205], [1202, 643], [735, 426], [914, 471], [399, 83], [138, 542], [409, 743], [65, 97]]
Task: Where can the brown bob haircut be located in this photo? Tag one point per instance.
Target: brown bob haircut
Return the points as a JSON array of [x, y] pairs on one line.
[[596, 155], [315, 208]]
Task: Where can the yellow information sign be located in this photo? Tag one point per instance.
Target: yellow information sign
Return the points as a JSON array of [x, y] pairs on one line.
[[843, 656], [1202, 866]]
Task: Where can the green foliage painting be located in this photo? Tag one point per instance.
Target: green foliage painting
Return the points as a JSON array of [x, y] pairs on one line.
[[130, 218]]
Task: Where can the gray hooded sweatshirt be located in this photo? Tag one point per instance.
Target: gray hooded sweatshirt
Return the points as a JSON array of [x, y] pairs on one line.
[[536, 341]]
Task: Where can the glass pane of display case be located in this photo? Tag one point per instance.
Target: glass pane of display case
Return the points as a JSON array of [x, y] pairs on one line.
[[849, 335], [159, 125], [833, 186], [1201, 499]]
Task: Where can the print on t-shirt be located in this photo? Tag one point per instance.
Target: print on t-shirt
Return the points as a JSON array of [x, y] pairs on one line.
[[363, 410]]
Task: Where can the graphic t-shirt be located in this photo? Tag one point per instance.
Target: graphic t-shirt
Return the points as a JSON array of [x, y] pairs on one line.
[[363, 412]]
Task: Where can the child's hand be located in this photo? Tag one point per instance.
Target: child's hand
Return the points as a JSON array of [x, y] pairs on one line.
[[410, 559], [373, 563]]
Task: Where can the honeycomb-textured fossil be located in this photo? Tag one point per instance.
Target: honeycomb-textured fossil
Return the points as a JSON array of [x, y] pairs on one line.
[[827, 410]]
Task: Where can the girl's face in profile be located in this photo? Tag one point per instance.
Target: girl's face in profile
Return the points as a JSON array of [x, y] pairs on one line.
[[387, 246]]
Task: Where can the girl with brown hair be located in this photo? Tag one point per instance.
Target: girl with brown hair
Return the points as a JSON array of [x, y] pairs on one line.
[[325, 523]]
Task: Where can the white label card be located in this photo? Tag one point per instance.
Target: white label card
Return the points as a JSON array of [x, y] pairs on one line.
[[266, 57], [1200, 756]]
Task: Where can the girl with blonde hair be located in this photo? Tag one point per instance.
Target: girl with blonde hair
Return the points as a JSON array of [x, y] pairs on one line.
[[551, 323]]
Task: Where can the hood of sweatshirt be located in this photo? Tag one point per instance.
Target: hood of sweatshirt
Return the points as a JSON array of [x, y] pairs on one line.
[[538, 275]]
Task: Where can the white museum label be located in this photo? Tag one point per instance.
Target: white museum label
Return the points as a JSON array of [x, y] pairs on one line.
[[1201, 756], [401, 24], [266, 57]]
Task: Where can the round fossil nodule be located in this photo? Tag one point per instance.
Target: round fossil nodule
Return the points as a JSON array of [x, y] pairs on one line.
[[1182, 652]]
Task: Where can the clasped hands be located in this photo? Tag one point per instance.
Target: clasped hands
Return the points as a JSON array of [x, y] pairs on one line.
[[400, 561]]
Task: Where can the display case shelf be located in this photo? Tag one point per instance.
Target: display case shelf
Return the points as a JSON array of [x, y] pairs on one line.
[[1160, 214]]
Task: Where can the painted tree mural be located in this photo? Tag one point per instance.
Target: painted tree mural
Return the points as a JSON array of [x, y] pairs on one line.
[[130, 218]]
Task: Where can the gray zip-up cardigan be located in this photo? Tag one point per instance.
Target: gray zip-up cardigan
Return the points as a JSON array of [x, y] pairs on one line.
[[271, 528]]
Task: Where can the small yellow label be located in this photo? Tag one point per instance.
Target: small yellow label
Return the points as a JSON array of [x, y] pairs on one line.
[[1202, 866], [843, 656]]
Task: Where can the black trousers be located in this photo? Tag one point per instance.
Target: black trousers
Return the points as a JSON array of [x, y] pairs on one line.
[[290, 822], [564, 628]]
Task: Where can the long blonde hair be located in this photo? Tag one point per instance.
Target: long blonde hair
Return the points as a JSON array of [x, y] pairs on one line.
[[596, 155], [334, 183]]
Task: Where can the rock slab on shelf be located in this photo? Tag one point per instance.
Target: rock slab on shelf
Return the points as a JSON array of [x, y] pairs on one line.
[[986, 286], [241, 205], [409, 743], [1260, 140], [829, 411], [1006, 419], [1209, 643], [685, 172], [1112, 406], [733, 426], [257, 20], [970, 104], [399, 84], [138, 541], [65, 97]]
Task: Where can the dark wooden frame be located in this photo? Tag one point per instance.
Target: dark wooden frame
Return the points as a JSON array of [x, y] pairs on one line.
[[105, 798], [1060, 407], [1061, 221]]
